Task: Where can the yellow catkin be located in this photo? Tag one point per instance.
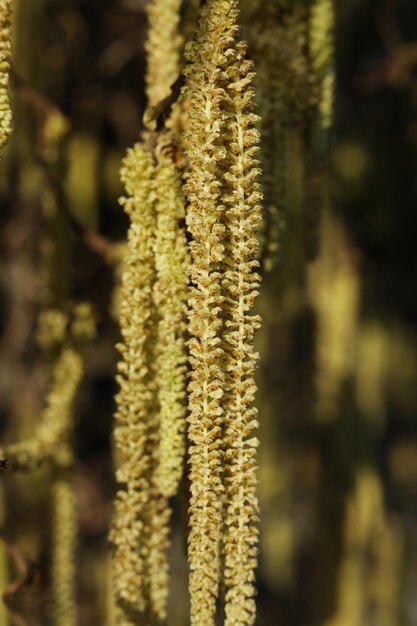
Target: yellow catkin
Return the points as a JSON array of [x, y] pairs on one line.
[[56, 329], [335, 292], [5, 54], [155, 545], [170, 297], [277, 35], [150, 431], [321, 48], [223, 217], [135, 400], [207, 58], [56, 417], [63, 602], [242, 219], [51, 447], [163, 47], [169, 367], [321, 61]]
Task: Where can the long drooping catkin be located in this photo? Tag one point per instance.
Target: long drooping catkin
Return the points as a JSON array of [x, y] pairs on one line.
[[63, 596], [51, 447], [150, 431], [277, 37], [207, 56], [223, 218], [242, 218], [321, 59], [321, 48], [170, 297], [135, 400], [71, 335], [169, 368], [163, 46], [55, 420], [5, 54]]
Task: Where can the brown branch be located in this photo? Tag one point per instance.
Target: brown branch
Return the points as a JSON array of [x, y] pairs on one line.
[[97, 243], [26, 571], [155, 117], [43, 108]]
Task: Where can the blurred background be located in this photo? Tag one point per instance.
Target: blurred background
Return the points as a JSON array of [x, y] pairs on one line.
[[338, 371]]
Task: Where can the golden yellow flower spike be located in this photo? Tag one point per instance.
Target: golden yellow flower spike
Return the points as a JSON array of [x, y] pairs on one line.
[[63, 596], [5, 54], [170, 296], [66, 375], [51, 447], [242, 218], [163, 47], [135, 401], [150, 435], [168, 366], [277, 42], [321, 59], [321, 47], [56, 420], [223, 218], [206, 57]]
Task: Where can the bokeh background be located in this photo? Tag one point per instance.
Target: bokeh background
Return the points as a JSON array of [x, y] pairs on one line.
[[338, 371]]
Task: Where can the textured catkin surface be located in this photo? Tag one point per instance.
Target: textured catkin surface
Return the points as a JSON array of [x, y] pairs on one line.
[[163, 47], [277, 43], [206, 56], [5, 55], [170, 297], [135, 402], [241, 199], [223, 217], [150, 418]]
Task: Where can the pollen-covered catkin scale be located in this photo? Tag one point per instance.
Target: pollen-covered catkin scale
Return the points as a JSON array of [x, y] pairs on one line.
[[207, 57], [242, 219], [135, 402], [5, 54]]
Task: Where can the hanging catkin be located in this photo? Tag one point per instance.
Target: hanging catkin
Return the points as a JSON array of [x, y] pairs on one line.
[[277, 36], [321, 48], [63, 595], [170, 296], [51, 447], [41, 449], [163, 47], [321, 59], [223, 217], [206, 57], [242, 218], [150, 431], [5, 54], [135, 400]]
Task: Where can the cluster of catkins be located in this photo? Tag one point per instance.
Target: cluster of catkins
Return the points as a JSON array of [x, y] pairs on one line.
[[190, 303], [189, 282]]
